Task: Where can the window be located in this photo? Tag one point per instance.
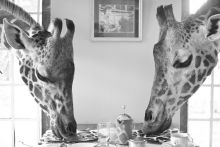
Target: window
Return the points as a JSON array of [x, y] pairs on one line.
[[195, 5], [204, 106], [20, 117]]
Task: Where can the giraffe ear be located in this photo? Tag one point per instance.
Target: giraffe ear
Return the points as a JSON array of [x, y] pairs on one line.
[[213, 27], [14, 35]]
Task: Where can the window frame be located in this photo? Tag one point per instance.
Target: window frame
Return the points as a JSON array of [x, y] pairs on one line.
[[184, 108], [43, 15], [46, 17]]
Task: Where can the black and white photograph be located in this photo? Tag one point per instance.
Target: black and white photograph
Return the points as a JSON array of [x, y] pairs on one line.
[[109, 73], [117, 20]]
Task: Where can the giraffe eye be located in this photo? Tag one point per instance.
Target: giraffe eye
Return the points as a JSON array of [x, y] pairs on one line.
[[42, 78], [182, 64]]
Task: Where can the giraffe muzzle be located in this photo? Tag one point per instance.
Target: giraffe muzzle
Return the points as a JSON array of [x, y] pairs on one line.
[[66, 131], [156, 122]]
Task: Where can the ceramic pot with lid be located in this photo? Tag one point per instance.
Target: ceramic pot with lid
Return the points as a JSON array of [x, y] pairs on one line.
[[125, 125]]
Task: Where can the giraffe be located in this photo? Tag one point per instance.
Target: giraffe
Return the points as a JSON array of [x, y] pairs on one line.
[[184, 56], [46, 66]]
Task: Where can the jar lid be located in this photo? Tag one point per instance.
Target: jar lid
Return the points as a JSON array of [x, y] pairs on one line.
[[123, 117]]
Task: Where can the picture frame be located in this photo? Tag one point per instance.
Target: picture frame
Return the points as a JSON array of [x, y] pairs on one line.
[[116, 20]]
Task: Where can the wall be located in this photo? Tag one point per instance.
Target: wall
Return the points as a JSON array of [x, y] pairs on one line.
[[111, 74]]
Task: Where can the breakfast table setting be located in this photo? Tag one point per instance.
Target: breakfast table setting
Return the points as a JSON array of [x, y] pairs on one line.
[[180, 140], [122, 133]]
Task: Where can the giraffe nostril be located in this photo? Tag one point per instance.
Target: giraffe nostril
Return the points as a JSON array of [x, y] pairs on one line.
[[148, 115]]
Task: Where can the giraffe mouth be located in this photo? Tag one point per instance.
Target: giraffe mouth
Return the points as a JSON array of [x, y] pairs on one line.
[[65, 132], [155, 129], [158, 126]]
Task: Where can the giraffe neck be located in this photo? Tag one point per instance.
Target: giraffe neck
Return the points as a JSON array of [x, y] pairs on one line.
[[48, 98], [28, 75]]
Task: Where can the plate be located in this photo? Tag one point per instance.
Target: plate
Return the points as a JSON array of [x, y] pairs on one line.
[[82, 136]]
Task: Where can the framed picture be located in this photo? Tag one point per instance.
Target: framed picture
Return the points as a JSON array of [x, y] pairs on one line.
[[117, 20]]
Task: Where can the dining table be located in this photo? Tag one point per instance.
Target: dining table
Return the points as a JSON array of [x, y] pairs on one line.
[[93, 144], [176, 140]]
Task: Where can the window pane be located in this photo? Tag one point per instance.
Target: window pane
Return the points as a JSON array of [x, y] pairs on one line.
[[34, 16], [25, 106], [26, 132], [199, 131], [199, 103], [216, 134], [208, 80], [4, 65], [216, 109], [5, 102], [1, 44], [5, 133], [37, 18], [217, 73], [17, 75], [40, 19], [40, 8], [28, 5], [195, 5]]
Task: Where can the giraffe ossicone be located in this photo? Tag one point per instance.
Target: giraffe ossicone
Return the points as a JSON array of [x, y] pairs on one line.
[[46, 66], [184, 56]]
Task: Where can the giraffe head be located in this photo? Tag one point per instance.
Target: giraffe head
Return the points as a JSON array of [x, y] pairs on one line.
[[184, 56], [47, 67]]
